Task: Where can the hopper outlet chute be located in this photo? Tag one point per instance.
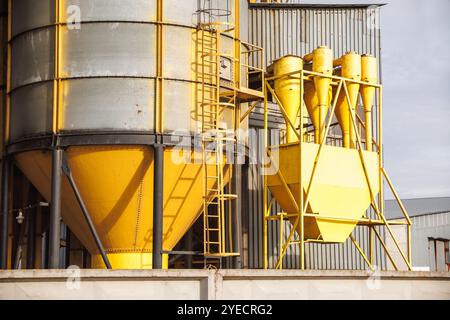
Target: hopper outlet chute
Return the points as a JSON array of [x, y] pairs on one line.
[[350, 64], [116, 184], [318, 95], [288, 91]]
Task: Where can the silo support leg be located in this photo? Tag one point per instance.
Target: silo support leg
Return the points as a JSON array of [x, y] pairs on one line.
[[73, 185], [158, 206], [5, 209], [237, 219], [55, 210]]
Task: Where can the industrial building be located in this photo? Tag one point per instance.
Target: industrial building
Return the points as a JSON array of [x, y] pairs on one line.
[[180, 146], [430, 232]]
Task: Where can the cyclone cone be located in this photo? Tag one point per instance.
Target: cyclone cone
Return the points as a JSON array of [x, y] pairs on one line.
[[288, 91], [350, 68]]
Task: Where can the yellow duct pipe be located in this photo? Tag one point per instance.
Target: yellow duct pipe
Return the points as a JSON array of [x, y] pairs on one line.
[[322, 62], [288, 90], [350, 64], [368, 74]]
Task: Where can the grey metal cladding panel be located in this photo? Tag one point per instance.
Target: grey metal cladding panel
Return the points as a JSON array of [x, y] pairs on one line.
[[33, 57], [181, 12], [109, 49], [30, 14], [31, 110], [112, 10], [179, 106], [108, 104], [179, 53], [300, 30]]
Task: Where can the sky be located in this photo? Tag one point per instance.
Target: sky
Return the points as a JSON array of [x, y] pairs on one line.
[[415, 43]]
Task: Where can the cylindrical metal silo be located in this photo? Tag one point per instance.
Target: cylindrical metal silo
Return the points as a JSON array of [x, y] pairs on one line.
[[106, 80]]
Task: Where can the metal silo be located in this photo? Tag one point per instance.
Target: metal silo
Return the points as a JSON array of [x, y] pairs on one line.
[[97, 88]]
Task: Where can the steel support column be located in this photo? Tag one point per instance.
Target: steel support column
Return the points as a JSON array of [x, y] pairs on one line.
[[55, 210], [158, 206], [5, 209], [237, 219]]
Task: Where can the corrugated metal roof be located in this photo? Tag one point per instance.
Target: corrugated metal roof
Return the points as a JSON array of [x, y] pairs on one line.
[[417, 207], [293, 4]]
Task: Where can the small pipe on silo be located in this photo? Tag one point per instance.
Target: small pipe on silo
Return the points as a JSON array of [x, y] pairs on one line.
[[55, 209], [158, 206]]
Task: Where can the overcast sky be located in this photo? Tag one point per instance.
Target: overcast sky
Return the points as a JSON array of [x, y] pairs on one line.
[[416, 78]]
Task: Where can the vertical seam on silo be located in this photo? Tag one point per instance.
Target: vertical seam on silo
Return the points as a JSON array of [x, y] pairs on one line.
[[139, 209]]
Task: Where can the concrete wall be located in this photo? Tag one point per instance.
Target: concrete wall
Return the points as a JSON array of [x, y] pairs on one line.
[[222, 284]]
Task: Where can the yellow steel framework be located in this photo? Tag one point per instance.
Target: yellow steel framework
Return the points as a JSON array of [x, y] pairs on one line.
[[301, 203], [222, 98]]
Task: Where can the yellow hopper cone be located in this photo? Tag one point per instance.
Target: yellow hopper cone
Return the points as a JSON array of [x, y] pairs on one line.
[[116, 183], [288, 91]]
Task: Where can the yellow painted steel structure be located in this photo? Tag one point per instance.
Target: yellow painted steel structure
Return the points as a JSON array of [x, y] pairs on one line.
[[325, 191]]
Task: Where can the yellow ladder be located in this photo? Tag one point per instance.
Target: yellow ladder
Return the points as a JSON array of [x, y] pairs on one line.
[[216, 202]]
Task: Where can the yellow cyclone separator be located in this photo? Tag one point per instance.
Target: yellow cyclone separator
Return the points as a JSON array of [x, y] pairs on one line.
[[116, 183], [312, 105], [369, 66], [319, 96], [288, 91], [350, 68]]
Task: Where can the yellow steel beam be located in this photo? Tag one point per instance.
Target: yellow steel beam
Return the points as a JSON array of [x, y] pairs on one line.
[[302, 210], [265, 189], [252, 107], [374, 142], [308, 74], [283, 111], [399, 201], [385, 249], [380, 214], [361, 252]]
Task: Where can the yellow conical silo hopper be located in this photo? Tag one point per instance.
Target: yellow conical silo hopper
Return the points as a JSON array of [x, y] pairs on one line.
[[116, 183], [288, 91], [350, 64]]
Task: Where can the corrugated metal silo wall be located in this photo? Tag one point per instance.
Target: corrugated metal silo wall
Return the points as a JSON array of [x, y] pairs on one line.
[[298, 29]]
